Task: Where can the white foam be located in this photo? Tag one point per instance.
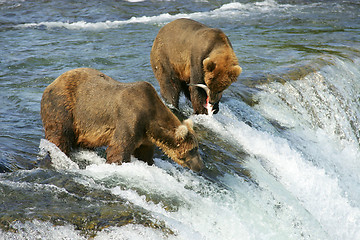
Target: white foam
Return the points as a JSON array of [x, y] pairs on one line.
[[225, 11], [35, 229], [133, 232], [317, 191], [322, 114], [59, 160], [32, 230], [183, 187], [265, 6], [201, 209], [324, 178], [88, 157]]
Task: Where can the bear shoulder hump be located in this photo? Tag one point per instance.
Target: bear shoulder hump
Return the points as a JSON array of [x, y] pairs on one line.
[[146, 86]]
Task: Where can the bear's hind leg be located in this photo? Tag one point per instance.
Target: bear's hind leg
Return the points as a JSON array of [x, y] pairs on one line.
[[62, 137], [58, 125], [145, 153]]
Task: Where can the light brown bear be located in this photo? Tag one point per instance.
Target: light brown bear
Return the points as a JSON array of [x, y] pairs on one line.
[[84, 107], [187, 55]]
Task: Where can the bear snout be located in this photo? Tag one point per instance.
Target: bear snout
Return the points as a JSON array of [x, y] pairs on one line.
[[211, 108], [216, 108], [214, 100], [195, 164], [194, 161]]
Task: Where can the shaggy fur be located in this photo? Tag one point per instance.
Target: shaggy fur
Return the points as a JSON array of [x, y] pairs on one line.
[[84, 107], [186, 53]]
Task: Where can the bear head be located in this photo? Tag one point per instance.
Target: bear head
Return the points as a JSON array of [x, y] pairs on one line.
[[186, 147], [220, 71]]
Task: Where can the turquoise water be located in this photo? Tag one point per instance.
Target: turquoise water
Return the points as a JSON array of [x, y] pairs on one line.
[[282, 156]]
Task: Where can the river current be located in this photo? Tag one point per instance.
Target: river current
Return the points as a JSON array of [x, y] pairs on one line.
[[282, 156]]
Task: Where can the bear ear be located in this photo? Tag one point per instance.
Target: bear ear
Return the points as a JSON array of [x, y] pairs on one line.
[[181, 132], [236, 70], [209, 65], [189, 123]]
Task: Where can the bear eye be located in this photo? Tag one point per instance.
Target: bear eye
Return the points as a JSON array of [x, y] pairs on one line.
[[193, 151]]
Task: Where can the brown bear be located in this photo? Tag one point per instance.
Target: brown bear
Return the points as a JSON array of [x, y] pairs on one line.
[[85, 108], [187, 55]]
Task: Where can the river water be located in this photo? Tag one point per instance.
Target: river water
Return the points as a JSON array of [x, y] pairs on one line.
[[282, 156]]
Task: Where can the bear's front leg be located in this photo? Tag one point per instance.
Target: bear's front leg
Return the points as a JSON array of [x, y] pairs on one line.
[[123, 142], [198, 100], [115, 154], [198, 95]]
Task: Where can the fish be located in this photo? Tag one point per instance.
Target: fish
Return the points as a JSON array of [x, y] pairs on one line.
[[207, 105]]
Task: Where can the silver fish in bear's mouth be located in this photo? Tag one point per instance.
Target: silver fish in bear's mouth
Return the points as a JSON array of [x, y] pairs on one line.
[[207, 105]]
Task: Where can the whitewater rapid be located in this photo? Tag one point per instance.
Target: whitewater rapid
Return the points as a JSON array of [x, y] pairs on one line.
[[292, 183]]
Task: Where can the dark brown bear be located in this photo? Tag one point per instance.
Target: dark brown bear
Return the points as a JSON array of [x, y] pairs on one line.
[[187, 55], [84, 107]]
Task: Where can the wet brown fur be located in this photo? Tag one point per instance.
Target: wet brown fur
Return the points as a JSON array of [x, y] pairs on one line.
[[178, 58], [84, 107]]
